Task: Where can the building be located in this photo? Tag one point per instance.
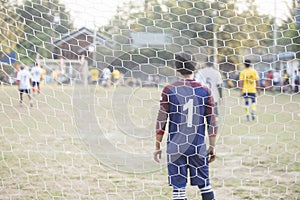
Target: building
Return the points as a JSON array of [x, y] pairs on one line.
[[80, 42]]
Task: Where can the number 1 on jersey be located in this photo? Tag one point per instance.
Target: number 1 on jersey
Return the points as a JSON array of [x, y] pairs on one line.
[[189, 107]]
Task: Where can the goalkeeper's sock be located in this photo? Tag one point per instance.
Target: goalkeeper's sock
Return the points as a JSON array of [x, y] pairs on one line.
[[179, 193], [207, 193]]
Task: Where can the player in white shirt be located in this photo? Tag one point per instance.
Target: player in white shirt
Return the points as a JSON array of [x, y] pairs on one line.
[[276, 80], [211, 77], [23, 81], [36, 72], [106, 76]]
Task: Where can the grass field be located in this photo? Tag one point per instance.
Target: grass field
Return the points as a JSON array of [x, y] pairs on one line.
[[97, 144]]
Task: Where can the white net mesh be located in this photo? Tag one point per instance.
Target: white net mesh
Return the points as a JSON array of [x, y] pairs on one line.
[[90, 133]]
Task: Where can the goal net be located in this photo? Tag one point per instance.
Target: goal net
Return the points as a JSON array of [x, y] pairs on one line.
[[90, 133]]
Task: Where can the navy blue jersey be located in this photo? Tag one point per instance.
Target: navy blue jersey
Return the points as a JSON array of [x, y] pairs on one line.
[[188, 107]]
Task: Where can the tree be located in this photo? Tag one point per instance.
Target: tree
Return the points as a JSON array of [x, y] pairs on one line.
[[196, 24], [291, 33], [41, 27], [10, 27]]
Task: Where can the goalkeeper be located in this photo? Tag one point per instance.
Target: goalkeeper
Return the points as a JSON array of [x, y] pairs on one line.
[[185, 105]]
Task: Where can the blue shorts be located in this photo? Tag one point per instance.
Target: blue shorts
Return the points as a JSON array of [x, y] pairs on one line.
[[249, 95], [179, 165]]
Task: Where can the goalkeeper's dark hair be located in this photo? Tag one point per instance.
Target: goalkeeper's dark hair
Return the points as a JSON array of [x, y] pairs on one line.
[[184, 63]]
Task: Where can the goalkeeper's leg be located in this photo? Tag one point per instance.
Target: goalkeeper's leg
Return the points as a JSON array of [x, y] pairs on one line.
[[207, 193], [179, 193]]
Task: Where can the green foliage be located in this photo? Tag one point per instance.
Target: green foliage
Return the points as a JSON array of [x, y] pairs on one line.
[[290, 30], [10, 27], [40, 29], [147, 52], [5, 70], [193, 23], [144, 21]]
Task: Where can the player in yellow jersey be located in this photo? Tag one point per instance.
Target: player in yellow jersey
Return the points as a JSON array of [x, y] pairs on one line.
[[249, 84], [43, 74], [116, 76], [94, 73], [54, 76]]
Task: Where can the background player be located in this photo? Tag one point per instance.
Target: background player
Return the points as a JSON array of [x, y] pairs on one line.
[[23, 81], [116, 76], [106, 76], [249, 83], [43, 75], [212, 78], [36, 73], [94, 73], [185, 105]]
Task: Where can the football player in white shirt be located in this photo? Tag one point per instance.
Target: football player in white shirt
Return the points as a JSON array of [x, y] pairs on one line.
[[211, 77], [106, 76], [23, 82], [36, 72]]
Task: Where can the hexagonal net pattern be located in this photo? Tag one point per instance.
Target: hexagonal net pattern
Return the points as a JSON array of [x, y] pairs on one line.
[[103, 95]]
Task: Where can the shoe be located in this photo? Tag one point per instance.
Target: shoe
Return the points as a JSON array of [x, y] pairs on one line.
[[248, 117]]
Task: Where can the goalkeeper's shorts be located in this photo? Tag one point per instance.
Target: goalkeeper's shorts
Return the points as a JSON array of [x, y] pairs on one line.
[[178, 168]]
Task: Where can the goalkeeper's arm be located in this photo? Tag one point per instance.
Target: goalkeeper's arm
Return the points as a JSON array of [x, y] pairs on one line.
[[157, 152], [211, 149]]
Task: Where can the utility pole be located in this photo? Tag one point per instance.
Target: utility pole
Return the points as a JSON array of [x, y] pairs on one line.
[[275, 33], [146, 6], [54, 23]]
